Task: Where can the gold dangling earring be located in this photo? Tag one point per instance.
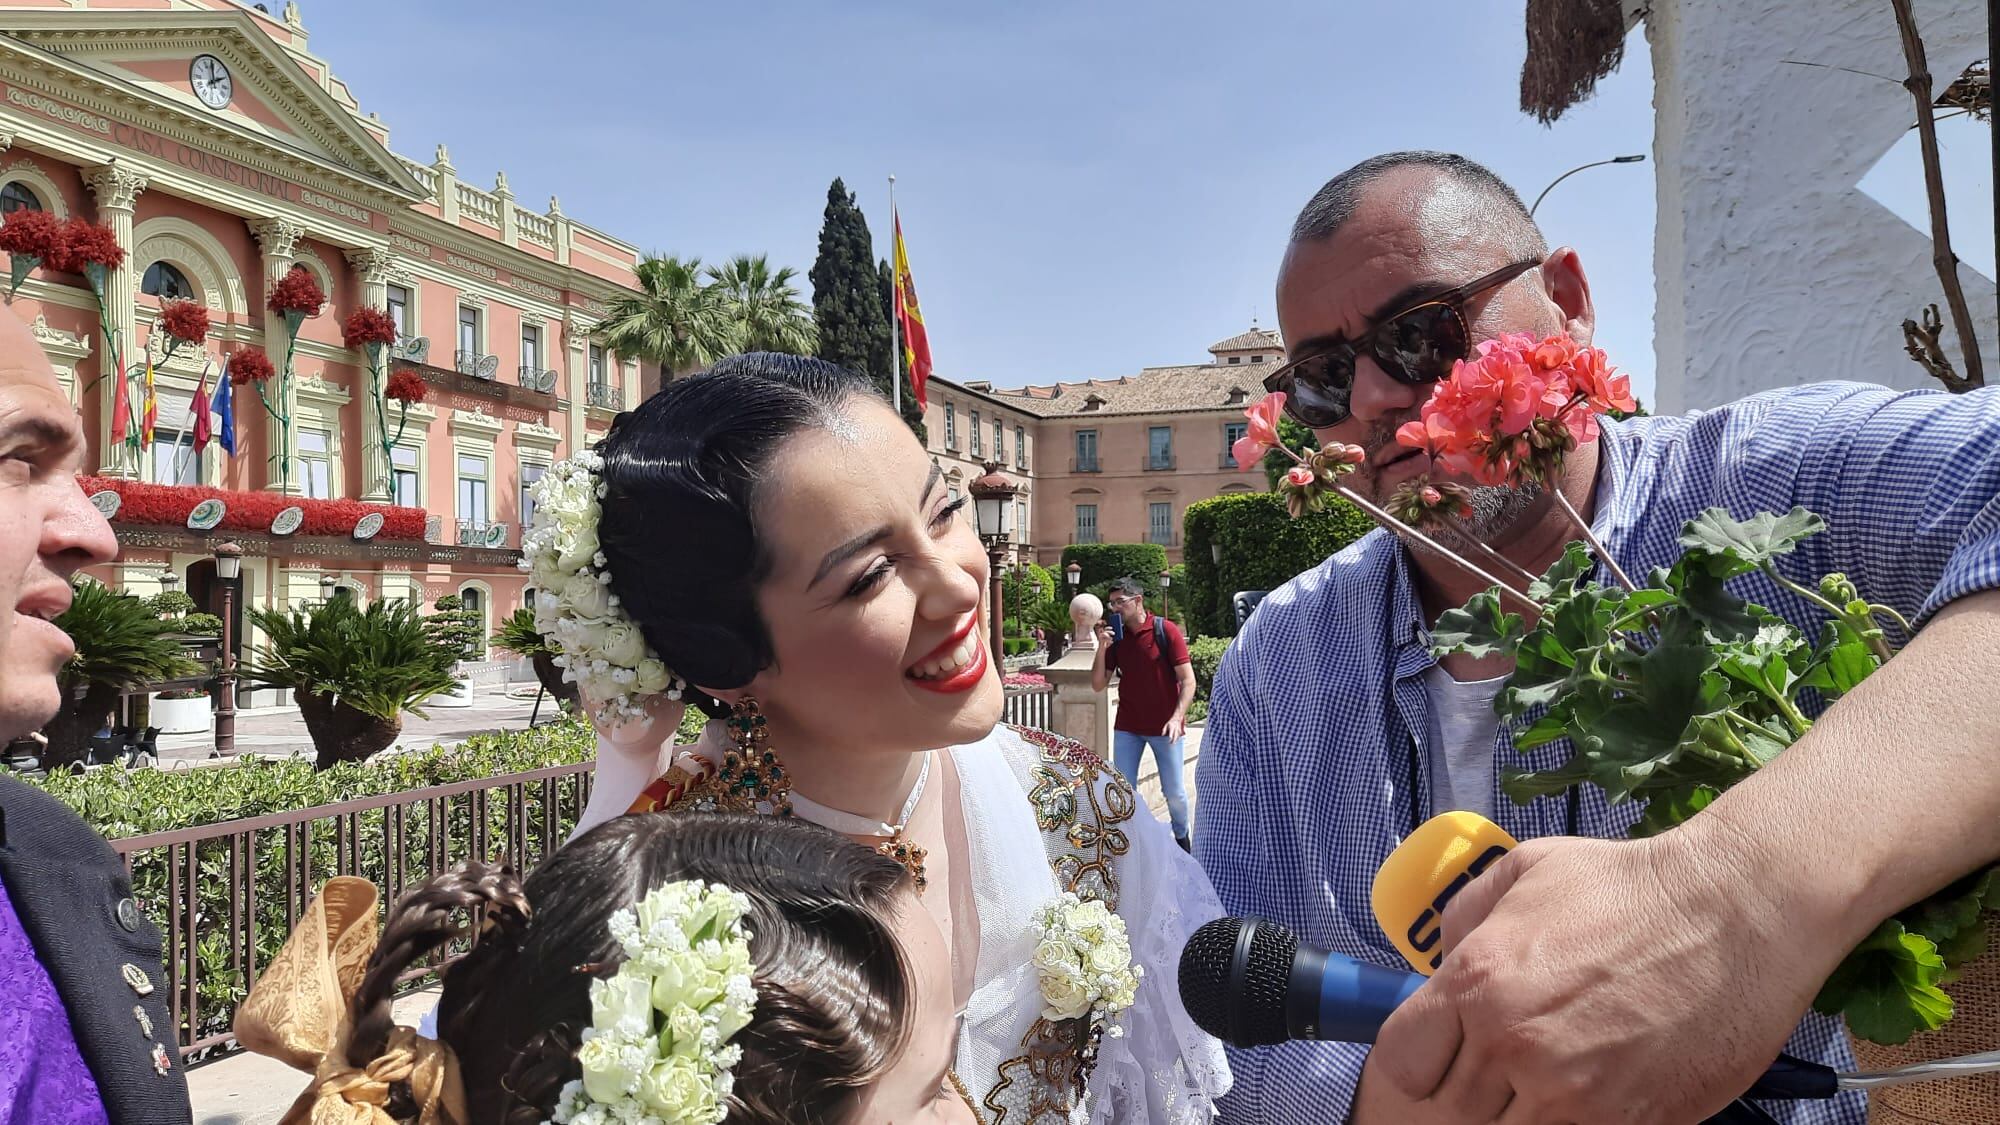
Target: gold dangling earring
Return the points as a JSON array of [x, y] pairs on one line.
[[751, 773]]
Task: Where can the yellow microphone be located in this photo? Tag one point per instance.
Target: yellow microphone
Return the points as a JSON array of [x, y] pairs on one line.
[[1424, 873]]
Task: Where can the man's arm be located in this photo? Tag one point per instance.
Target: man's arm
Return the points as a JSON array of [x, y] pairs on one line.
[[1739, 916], [1183, 680]]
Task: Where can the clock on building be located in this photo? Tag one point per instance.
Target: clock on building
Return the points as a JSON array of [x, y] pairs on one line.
[[211, 81]]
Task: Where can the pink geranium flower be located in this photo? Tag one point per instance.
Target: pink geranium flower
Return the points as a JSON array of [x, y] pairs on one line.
[[1250, 449], [1509, 413]]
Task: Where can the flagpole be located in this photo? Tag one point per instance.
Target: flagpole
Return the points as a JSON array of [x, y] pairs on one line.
[[895, 306]]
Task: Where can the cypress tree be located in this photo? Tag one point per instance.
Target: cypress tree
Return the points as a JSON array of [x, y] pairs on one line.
[[848, 298]]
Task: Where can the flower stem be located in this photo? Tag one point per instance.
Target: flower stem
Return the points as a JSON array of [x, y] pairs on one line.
[[1869, 630], [1398, 527], [1596, 545]]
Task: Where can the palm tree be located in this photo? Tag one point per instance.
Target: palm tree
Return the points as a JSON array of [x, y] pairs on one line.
[[767, 311], [675, 320]]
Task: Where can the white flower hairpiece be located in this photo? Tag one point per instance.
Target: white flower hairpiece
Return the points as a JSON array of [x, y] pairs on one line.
[[599, 648], [658, 1046], [1084, 961]]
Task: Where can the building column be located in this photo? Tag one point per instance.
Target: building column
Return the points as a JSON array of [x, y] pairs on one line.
[[372, 265], [278, 239], [117, 190], [576, 334]]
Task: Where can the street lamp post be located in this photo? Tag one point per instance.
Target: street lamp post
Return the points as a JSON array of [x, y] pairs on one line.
[[1073, 574], [228, 566], [1166, 594], [993, 494], [1635, 158]]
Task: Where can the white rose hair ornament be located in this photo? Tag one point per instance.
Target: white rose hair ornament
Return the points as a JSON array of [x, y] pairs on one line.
[[599, 647]]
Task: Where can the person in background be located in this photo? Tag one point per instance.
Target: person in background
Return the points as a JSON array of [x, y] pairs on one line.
[[1155, 689], [85, 1035]]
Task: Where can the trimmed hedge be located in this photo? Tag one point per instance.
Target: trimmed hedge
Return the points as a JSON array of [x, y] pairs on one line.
[[1205, 655], [1261, 549], [1104, 563]]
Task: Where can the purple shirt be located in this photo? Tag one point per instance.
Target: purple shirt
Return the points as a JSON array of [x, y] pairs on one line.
[[43, 1078]]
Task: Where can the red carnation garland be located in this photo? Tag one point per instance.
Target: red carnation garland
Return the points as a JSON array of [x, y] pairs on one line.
[[185, 322], [250, 365], [92, 250], [407, 387], [171, 504], [30, 238], [371, 329], [295, 297]]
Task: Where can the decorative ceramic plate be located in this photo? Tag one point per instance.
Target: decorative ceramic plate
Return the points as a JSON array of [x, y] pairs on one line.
[[369, 526], [206, 515], [288, 521], [107, 503]]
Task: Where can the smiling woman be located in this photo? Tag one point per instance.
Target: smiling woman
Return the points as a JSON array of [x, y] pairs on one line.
[[787, 547]]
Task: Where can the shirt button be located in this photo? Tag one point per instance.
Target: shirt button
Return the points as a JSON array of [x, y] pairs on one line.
[[128, 915]]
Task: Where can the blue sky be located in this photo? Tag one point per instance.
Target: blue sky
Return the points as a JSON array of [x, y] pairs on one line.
[[1087, 189]]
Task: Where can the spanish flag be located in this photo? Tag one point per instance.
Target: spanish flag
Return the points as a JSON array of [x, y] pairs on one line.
[[916, 342]]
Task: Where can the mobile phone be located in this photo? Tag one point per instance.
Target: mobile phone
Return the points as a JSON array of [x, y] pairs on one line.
[[1117, 627]]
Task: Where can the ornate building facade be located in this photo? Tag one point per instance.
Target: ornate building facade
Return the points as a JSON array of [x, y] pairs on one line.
[[223, 154]]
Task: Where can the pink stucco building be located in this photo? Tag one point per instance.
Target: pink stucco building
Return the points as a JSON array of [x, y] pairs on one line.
[[223, 154], [1108, 460]]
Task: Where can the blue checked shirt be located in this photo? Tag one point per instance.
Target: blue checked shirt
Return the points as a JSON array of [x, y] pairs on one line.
[[1312, 769]]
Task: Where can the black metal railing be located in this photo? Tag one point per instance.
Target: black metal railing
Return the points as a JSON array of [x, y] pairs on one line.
[[225, 895]]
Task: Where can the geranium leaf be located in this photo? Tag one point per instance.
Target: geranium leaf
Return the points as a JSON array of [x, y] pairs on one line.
[[1757, 540], [1702, 594], [1479, 628], [1887, 989], [1545, 730], [1562, 579]]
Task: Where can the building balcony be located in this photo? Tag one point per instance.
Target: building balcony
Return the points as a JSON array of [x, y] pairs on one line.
[[604, 396], [416, 349], [1156, 464], [1021, 464], [537, 379], [1086, 537], [508, 399], [481, 533], [1085, 465], [476, 365], [1164, 538]]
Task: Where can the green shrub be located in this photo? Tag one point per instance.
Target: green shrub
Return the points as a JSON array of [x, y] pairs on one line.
[[170, 603], [1197, 712], [1027, 587], [397, 853], [198, 625], [455, 631], [1017, 646], [1104, 563], [1206, 655], [1261, 548]]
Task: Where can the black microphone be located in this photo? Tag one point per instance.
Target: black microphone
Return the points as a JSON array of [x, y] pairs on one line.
[[1252, 983]]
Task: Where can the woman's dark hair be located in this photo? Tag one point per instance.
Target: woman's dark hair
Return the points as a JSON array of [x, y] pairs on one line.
[[832, 986], [682, 473]]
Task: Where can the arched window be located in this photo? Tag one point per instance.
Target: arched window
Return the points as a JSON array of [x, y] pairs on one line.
[[16, 196], [165, 282]]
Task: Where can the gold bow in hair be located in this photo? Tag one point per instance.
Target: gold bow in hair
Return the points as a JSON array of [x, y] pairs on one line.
[[299, 1014]]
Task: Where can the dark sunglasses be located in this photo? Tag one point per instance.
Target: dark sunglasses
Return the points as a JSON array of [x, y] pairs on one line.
[[1414, 347]]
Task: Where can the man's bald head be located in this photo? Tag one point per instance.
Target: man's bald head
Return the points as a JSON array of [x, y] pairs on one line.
[[1487, 199]]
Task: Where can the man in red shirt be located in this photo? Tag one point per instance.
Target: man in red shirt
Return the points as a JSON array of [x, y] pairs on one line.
[[1155, 687]]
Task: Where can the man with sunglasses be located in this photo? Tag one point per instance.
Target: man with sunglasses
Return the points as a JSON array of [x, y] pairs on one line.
[[1594, 979]]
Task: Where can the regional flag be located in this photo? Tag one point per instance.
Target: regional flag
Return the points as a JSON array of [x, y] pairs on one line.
[[149, 416], [916, 342], [121, 410], [198, 409], [225, 410]]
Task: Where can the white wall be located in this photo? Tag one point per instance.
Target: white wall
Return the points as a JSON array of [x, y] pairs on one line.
[[1772, 268]]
